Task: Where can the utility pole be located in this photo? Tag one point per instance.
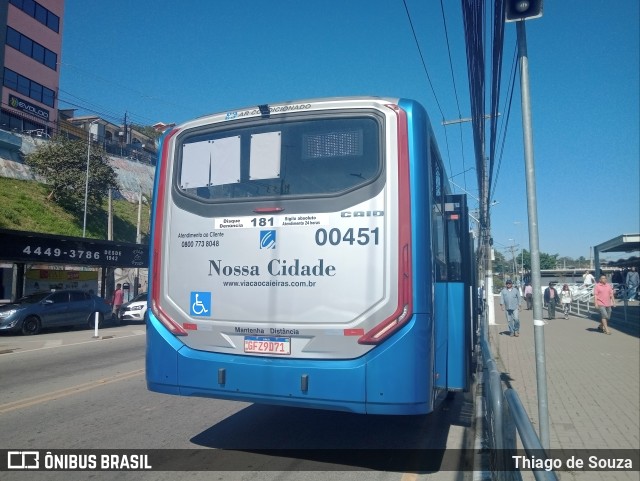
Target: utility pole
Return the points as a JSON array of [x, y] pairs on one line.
[[138, 238], [512, 249], [86, 185], [110, 217], [485, 242], [521, 238]]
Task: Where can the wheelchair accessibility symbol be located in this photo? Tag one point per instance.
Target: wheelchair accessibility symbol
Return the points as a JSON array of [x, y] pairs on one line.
[[200, 304]]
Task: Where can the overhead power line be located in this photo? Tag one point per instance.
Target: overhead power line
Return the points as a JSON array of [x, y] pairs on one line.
[[455, 90], [506, 117], [424, 65], [473, 16], [496, 74]]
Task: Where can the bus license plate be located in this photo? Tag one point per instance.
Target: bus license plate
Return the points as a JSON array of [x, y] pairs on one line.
[[268, 345]]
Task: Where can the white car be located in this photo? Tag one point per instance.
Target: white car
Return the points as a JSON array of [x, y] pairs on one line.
[[134, 310]]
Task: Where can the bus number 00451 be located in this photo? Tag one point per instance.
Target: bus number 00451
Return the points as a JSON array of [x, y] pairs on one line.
[[334, 237]]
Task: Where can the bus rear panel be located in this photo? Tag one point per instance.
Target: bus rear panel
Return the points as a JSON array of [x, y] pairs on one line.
[[291, 258]]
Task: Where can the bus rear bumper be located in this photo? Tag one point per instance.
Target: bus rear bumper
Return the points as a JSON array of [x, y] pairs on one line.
[[368, 385]]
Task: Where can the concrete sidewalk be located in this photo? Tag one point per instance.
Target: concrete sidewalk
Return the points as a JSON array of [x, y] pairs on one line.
[[593, 381]]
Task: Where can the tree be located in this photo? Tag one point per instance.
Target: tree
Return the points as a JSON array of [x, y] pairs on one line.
[[63, 165], [501, 266], [547, 261], [526, 259]]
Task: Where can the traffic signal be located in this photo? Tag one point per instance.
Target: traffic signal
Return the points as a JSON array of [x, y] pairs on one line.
[[522, 9]]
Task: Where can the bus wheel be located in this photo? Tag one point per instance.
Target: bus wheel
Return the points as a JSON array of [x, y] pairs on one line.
[[31, 326]]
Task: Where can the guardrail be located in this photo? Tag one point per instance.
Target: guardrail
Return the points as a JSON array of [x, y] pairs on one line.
[[506, 416]]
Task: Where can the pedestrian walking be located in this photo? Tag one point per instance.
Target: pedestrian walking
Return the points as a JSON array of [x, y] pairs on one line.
[[632, 282], [565, 300], [603, 301], [528, 295], [510, 303], [588, 279], [551, 299], [117, 299]]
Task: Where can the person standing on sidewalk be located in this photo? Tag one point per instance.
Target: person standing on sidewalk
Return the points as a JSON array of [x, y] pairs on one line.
[[565, 299], [632, 282], [510, 303], [551, 299], [603, 300], [117, 300], [528, 296]]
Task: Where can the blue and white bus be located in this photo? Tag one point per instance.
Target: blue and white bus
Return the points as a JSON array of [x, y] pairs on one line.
[[310, 254]]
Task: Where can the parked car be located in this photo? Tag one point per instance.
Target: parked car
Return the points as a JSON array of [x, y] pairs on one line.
[[134, 310], [65, 307]]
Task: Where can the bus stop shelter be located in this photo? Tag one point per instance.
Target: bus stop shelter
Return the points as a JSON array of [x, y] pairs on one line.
[[623, 243]]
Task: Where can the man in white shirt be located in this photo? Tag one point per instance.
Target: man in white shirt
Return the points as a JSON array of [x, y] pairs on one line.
[[588, 279]]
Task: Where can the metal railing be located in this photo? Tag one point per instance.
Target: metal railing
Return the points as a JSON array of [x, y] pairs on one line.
[[582, 302], [506, 416]]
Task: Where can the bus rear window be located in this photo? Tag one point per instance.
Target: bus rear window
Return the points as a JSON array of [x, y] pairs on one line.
[[286, 159]]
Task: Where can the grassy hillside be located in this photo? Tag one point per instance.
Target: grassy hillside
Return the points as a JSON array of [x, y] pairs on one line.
[[24, 206]]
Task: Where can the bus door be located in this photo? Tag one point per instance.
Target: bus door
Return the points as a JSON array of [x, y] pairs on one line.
[[453, 298]]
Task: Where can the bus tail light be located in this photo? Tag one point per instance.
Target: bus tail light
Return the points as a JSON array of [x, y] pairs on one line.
[[175, 328], [385, 329], [404, 310], [157, 233], [399, 317]]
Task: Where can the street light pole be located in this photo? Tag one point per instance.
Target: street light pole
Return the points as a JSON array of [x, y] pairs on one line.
[[138, 229], [519, 11], [522, 239], [138, 237], [86, 183], [532, 210]]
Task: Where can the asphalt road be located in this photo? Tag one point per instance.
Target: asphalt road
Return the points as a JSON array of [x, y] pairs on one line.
[[68, 390]]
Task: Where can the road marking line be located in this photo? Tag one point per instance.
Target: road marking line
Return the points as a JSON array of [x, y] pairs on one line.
[[46, 346], [32, 401]]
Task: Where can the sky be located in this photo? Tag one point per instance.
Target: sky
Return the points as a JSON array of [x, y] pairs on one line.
[[168, 61]]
